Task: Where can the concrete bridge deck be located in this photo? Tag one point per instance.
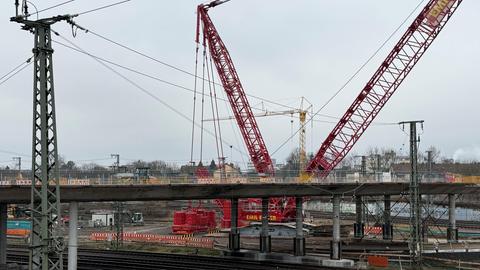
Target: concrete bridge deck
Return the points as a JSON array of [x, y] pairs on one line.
[[98, 193]]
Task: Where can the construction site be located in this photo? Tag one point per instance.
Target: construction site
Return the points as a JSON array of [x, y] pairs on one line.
[[166, 159]]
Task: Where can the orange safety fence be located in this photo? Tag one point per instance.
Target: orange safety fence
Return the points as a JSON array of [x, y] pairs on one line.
[[155, 238]]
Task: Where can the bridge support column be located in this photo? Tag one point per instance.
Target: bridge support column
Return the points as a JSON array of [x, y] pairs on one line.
[[387, 228], [234, 236], [452, 231], [3, 236], [336, 244], [265, 239], [358, 226], [72, 236], [299, 241]]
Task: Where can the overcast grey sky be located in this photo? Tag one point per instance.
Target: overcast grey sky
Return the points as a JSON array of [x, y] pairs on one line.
[[282, 50]]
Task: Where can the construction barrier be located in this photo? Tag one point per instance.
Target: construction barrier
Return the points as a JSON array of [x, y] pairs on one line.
[[173, 240], [78, 182], [376, 230]]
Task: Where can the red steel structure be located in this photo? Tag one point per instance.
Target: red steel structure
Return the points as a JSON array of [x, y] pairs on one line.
[[233, 87], [389, 76]]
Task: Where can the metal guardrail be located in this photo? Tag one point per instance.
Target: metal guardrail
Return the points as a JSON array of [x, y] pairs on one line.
[[177, 180]]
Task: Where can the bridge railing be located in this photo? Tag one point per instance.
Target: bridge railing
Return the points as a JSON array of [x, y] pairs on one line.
[[113, 179]]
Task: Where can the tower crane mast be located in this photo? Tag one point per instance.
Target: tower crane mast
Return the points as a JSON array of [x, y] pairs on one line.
[[247, 124], [388, 77]]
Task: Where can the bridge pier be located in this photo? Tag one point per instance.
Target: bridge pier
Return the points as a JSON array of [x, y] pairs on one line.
[[358, 226], [234, 236], [452, 231], [299, 240], [3, 235], [265, 239], [387, 228], [72, 236], [336, 244]]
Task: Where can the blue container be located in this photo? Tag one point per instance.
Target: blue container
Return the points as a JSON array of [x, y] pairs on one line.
[[19, 224]]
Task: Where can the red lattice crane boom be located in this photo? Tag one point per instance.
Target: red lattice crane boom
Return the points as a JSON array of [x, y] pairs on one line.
[[234, 89], [391, 73]]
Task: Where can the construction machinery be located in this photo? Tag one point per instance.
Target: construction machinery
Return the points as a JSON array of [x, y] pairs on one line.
[[385, 81], [243, 114], [237, 98], [194, 220]]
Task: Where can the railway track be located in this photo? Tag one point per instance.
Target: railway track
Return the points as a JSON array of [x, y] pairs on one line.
[[90, 259]]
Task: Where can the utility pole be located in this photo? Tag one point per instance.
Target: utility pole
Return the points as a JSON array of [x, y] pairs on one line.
[[19, 164], [118, 219], [364, 166], [416, 245], [46, 244], [428, 197], [116, 165]]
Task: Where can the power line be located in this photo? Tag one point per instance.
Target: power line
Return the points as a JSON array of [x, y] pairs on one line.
[[141, 89], [171, 66], [168, 82], [52, 7], [14, 153], [15, 70], [18, 71], [136, 71], [102, 7], [351, 77], [184, 87]]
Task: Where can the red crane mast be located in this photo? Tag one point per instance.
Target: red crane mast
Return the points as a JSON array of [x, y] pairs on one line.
[[233, 87], [389, 76]]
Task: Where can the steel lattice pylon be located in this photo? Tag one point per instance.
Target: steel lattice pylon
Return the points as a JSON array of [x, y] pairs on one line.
[[46, 246], [386, 80], [45, 198]]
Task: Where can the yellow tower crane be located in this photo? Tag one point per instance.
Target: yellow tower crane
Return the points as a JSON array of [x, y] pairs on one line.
[[302, 115]]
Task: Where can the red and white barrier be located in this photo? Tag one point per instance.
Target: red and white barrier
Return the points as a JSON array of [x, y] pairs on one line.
[[376, 230]]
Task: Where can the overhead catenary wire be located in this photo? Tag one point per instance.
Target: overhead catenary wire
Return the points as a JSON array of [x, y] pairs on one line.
[[184, 87], [14, 153], [191, 74], [134, 70], [49, 8], [353, 76], [87, 30], [140, 88], [102, 7], [15, 70]]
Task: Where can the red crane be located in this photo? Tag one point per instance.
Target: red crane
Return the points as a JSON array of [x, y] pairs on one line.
[[389, 76], [233, 87]]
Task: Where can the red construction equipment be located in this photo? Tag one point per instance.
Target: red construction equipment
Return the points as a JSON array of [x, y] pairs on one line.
[[193, 220], [233, 87], [244, 117], [389, 76], [280, 210]]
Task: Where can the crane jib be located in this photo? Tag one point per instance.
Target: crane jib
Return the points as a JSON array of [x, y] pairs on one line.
[[388, 77], [439, 11]]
